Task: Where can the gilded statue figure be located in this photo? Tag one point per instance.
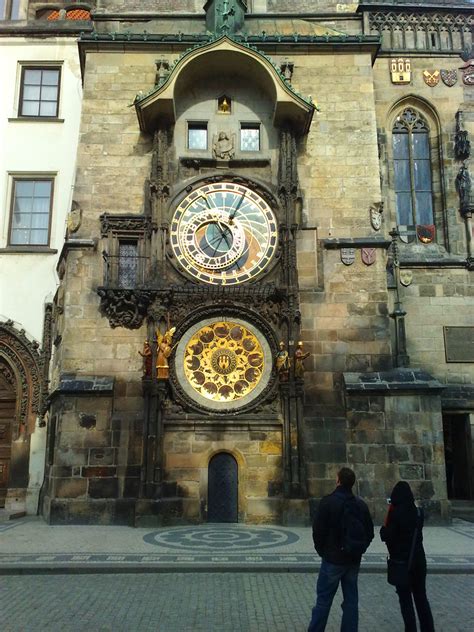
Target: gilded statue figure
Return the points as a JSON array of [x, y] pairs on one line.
[[164, 349], [223, 146], [147, 359], [283, 363], [300, 356]]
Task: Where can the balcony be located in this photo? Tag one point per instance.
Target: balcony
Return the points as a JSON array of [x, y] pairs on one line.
[[126, 271]]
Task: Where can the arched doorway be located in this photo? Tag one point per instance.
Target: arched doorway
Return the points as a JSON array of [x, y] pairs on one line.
[[7, 415], [223, 486]]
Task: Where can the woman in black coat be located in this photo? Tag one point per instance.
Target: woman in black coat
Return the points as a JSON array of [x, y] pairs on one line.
[[397, 532]]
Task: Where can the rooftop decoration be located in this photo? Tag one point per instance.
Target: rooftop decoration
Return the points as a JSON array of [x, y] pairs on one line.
[[225, 17]]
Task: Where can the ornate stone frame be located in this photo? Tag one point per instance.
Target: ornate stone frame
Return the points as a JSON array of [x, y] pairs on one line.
[[158, 106], [25, 362], [255, 185], [268, 393]]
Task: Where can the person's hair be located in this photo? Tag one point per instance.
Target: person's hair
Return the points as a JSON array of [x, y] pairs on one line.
[[346, 477]]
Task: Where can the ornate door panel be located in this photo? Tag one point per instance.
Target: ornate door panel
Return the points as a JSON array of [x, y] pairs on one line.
[[222, 500], [7, 412]]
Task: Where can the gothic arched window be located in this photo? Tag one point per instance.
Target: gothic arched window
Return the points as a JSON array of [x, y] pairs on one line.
[[412, 169]]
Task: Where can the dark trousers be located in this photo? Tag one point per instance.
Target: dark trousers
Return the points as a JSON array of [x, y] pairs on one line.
[[416, 593]]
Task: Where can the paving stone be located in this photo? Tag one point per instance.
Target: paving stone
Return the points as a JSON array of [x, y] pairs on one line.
[[211, 602]]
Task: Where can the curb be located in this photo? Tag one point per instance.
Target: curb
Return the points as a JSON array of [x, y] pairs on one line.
[[115, 569]]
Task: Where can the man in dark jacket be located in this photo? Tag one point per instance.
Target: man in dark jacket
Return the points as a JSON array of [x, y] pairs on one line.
[[342, 531]]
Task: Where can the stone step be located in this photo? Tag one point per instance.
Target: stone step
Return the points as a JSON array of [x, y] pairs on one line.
[[463, 509], [7, 514]]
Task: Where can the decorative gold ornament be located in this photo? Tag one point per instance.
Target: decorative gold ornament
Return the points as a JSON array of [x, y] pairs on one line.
[[400, 70], [223, 105], [431, 78], [163, 352], [223, 361], [300, 357]]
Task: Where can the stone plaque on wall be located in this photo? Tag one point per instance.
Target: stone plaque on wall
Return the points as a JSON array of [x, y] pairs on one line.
[[459, 344]]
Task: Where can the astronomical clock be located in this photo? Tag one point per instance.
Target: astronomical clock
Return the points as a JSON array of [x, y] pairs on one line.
[[223, 239], [224, 234]]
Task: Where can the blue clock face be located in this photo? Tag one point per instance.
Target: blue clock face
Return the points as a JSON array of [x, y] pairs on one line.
[[224, 234]]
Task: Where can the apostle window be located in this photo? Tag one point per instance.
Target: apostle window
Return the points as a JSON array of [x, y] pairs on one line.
[[249, 137], [197, 136], [39, 93], [412, 169], [31, 212]]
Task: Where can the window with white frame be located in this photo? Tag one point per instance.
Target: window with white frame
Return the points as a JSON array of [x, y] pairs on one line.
[[31, 206], [10, 9]]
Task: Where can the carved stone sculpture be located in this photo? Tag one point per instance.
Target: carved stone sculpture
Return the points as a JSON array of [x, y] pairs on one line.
[[463, 187], [282, 363], [147, 359], [223, 147]]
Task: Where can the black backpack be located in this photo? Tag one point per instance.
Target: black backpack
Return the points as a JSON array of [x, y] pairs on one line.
[[354, 538]]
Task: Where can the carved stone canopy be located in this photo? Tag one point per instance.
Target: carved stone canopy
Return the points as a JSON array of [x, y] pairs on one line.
[[222, 57]]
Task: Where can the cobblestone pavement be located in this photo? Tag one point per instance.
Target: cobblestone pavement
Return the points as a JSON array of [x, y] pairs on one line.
[[211, 602], [30, 543]]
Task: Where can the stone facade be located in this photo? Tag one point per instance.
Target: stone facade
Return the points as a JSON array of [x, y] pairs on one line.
[[371, 310]]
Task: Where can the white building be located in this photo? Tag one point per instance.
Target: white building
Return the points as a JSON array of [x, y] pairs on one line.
[[40, 114]]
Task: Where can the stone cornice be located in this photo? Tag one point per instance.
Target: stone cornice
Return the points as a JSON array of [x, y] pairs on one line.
[[41, 28], [336, 243]]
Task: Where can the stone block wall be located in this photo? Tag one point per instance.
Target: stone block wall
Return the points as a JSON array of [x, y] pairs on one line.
[[384, 439], [437, 299], [258, 452], [94, 459]]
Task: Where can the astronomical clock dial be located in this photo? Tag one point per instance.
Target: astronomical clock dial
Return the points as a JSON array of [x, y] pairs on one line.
[[223, 234], [223, 364]]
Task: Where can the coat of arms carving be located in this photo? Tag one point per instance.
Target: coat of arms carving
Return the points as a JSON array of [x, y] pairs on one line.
[[425, 233], [406, 277], [376, 211], [347, 256], [431, 78], [368, 256], [407, 233], [400, 70], [468, 72], [449, 77]]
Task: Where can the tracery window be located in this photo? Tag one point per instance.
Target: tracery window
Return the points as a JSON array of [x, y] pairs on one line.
[[412, 169]]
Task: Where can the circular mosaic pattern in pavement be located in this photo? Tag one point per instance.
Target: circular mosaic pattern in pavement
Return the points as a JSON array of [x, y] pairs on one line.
[[208, 538]]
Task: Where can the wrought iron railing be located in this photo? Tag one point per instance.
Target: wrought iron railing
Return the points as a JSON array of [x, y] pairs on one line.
[[125, 271]]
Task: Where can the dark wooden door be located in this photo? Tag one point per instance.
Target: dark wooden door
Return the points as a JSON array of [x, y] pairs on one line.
[[7, 413], [223, 486]]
